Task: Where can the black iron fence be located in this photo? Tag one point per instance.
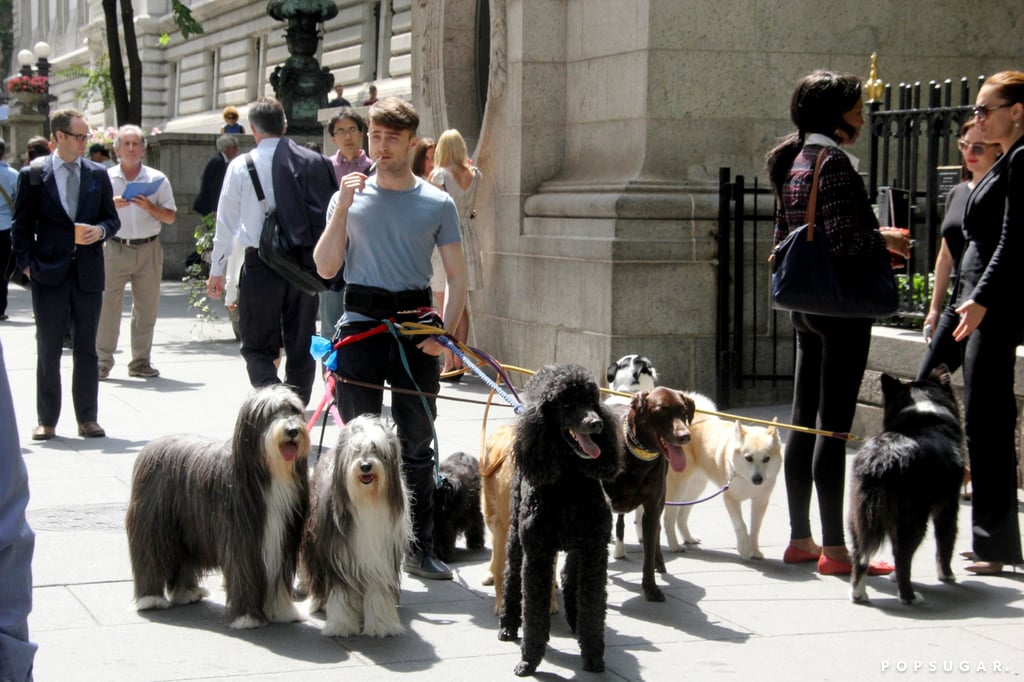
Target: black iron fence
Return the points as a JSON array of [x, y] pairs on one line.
[[912, 157]]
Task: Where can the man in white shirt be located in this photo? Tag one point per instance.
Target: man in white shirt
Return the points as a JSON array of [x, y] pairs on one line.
[[135, 255], [272, 313]]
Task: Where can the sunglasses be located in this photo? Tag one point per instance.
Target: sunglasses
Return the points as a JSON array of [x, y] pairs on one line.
[[982, 111], [977, 148]]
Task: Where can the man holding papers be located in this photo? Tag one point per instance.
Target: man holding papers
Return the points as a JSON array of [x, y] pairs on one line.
[[144, 201]]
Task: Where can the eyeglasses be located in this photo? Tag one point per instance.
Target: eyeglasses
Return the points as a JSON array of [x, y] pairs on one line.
[[346, 131], [982, 111], [977, 148], [232, 117], [78, 136]]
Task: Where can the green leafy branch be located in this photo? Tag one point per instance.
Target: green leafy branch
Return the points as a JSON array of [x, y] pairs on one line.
[[185, 22], [97, 84]]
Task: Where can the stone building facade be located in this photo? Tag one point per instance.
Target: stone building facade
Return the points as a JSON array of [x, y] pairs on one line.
[[600, 126]]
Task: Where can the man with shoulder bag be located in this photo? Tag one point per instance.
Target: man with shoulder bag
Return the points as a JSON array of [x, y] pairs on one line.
[[295, 184]]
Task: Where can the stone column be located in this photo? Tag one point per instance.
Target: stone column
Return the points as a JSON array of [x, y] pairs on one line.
[[598, 243]]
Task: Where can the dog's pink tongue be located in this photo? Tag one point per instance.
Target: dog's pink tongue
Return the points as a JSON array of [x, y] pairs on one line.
[[289, 451], [675, 454], [588, 446]]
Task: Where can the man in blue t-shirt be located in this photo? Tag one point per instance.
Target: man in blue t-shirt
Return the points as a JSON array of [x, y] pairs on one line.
[[383, 230]]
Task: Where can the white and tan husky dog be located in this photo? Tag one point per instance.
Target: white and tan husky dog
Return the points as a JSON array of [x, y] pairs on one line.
[[723, 451]]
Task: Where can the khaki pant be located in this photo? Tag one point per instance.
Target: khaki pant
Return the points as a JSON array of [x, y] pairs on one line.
[[143, 267]]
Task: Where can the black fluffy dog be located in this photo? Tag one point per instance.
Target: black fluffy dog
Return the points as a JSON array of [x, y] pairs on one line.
[[903, 476], [566, 443], [457, 505]]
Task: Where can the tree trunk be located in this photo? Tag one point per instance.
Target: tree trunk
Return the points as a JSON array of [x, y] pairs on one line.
[[117, 80], [131, 49]]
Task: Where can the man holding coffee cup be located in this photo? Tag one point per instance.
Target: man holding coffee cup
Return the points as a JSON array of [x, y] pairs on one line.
[[63, 213]]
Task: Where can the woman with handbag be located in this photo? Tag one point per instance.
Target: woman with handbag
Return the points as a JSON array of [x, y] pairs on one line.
[[831, 349], [992, 324]]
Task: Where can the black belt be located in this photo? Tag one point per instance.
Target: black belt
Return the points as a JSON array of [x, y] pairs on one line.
[[134, 242], [378, 303]]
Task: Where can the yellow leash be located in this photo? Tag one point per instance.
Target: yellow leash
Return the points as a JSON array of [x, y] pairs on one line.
[[414, 328]]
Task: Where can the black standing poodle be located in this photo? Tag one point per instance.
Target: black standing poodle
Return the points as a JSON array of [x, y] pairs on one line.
[[565, 444]]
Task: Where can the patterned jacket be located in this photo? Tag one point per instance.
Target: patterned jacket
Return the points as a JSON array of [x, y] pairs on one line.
[[844, 211]]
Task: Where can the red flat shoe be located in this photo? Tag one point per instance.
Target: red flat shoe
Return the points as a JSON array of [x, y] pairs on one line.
[[795, 555], [827, 566]]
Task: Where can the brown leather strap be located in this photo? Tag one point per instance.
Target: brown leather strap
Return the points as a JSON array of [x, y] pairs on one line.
[[812, 201]]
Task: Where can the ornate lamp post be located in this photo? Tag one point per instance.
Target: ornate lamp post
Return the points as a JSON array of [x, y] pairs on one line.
[[300, 84], [40, 52]]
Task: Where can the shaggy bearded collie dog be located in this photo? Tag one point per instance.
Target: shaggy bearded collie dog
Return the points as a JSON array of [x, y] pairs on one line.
[[198, 505], [358, 532]]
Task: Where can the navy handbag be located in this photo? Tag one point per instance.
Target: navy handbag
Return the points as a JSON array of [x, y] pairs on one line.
[[806, 278]]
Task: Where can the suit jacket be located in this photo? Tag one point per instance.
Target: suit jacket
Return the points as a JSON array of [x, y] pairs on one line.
[[994, 225], [44, 236], [304, 183], [210, 184]]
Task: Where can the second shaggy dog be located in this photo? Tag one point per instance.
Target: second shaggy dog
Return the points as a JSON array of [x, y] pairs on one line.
[[358, 532]]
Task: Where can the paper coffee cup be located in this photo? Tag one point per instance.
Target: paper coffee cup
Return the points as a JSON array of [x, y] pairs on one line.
[[80, 233]]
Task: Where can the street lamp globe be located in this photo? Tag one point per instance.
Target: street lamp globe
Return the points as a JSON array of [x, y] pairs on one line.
[[25, 57], [41, 50]]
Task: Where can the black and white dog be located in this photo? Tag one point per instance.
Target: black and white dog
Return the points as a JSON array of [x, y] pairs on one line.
[[903, 476], [358, 532], [631, 374], [197, 505]]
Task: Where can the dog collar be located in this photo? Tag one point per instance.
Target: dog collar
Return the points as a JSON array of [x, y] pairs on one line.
[[634, 446]]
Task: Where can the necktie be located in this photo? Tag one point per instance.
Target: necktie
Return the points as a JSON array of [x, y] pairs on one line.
[[71, 189]]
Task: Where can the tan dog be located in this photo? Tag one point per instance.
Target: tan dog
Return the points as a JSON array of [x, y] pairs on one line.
[[496, 467], [748, 458]]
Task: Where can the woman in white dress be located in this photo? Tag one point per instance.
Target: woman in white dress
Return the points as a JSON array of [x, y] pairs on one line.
[[456, 174]]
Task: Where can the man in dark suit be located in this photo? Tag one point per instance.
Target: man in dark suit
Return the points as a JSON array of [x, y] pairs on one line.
[[63, 213], [213, 175], [298, 183]]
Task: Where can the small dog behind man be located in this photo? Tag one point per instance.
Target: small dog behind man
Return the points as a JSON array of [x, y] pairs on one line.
[[457, 509], [906, 474], [197, 505], [358, 532]]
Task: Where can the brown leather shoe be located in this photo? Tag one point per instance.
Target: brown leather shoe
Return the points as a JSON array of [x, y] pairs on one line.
[[91, 430], [43, 433]]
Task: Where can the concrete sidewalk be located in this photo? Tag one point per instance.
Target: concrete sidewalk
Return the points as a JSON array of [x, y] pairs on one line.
[[724, 617]]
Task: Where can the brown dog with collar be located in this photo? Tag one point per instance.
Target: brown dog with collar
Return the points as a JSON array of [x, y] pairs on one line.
[[654, 429]]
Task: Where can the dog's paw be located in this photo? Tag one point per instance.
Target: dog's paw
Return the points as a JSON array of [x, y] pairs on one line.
[[315, 605], [620, 550], [756, 554], [947, 577], [691, 540], [488, 579], [653, 593], [284, 612], [508, 634], [151, 602], [383, 628], [915, 598], [247, 622], [859, 594], [334, 628], [593, 664], [676, 547], [188, 595], [525, 669]]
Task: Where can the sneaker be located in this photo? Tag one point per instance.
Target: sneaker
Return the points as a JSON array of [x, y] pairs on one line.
[[425, 566], [104, 373], [146, 371]]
